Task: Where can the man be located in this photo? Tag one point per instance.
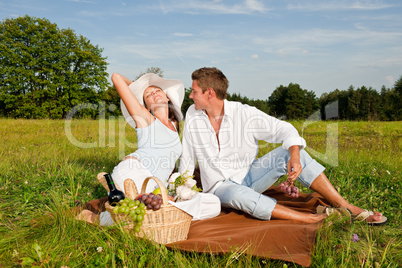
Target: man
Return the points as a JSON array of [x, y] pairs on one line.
[[223, 137]]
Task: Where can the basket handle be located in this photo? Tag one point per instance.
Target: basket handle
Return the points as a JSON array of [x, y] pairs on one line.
[[161, 186], [130, 189]]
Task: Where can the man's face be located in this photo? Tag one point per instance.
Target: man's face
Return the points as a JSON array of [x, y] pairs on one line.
[[200, 99]]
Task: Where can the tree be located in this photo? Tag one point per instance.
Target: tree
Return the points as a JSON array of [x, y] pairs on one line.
[[292, 102], [398, 99], [187, 102], [398, 85], [391, 99], [155, 70], [277, 101], [45, 71], [111, 98], [331, 111], [238, 97], [259, 104], [364, 103]]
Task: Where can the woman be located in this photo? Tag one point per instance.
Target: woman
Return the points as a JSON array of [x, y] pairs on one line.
[[151, 105]]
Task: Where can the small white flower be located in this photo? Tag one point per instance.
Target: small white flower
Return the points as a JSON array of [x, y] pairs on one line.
[[185, 193], [99, 249], [190, 182], [389, 173], [173, 177], [182, 186], [171, 187], [15, 253], [26, 182]]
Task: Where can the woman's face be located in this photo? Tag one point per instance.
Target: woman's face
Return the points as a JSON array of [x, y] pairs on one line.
[[154, 95]]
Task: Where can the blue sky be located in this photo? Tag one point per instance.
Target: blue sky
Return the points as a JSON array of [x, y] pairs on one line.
[[259, 45]]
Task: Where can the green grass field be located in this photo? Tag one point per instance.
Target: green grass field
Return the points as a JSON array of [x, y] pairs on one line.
[[47, 165]]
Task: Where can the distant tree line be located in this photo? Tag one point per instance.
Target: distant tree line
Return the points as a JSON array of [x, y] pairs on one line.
[[293, 102], [47, 72], [365, 103]]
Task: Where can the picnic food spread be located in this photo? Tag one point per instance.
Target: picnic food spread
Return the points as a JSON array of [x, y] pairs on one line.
[[164, 225]]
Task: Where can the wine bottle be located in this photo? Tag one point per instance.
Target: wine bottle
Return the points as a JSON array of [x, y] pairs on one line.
[[115, 195]]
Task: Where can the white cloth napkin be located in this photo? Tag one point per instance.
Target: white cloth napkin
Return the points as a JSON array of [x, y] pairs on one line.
[[202, 206]]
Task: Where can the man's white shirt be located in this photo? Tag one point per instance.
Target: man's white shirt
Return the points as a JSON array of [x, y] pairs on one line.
[[241, 128]]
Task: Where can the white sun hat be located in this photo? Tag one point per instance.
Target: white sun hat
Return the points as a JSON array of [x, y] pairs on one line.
[[174, 89]]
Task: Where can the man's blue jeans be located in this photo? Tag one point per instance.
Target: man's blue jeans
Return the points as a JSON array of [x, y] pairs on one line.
[[263, 173]]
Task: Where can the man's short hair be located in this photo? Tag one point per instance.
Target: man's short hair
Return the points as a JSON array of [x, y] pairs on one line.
[[211, 77]]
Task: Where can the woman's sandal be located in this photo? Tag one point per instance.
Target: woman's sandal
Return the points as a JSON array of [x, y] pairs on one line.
[[367, 213], [343, 212]]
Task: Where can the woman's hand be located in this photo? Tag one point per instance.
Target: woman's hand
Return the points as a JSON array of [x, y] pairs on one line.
[[142, 117]]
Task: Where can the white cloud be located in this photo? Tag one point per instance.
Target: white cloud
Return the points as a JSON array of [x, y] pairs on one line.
[[390, 79], [182, 34], [215, 7], [255, 56], [180, 6], [360, 26], [318, 5], [313, 39], [255, 5], [283, 52], [83, 1], [192, 49], [90, 14]]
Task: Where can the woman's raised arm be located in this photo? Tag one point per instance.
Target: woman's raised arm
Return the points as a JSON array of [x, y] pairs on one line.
[[139, 113]]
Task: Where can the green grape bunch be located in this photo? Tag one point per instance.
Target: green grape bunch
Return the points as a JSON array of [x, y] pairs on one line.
[[133, 209]]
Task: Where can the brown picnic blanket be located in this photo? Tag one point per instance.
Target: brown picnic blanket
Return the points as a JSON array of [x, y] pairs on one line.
[[275, 239], [236, 231]]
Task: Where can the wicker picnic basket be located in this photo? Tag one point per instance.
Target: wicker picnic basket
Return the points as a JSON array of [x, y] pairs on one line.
[[167, 225]]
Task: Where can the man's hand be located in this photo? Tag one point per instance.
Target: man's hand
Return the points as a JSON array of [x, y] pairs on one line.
[[294, 166]]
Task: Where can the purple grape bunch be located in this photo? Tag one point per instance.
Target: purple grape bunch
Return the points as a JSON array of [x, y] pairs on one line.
[[288, 188], [151, 201]]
